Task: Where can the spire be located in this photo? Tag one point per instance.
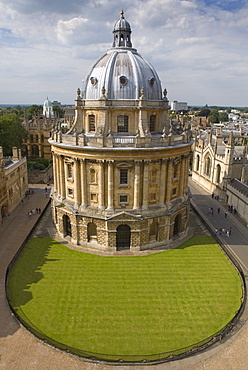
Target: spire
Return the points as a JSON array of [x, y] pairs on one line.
[[122, 32]]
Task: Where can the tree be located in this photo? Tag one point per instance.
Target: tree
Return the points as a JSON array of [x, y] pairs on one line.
[[11, 133], [214, 116], [33, 110], [223, 117], [58, 111]]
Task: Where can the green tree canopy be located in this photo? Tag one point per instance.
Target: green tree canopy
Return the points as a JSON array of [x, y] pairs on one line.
[[214, 116], [11, 133], [33, 110], [223, 117], [58, 111]]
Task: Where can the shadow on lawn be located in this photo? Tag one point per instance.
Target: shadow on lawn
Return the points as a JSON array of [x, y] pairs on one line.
[[27, 270]]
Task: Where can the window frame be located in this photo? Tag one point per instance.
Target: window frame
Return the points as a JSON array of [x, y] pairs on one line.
[[122, 123]]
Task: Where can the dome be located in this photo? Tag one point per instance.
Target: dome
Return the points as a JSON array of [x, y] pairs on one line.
[[122, 24], [47, 103], [122, 71]]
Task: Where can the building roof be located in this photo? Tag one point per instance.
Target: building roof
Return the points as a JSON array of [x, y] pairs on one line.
[[122, 71], [240, 186]]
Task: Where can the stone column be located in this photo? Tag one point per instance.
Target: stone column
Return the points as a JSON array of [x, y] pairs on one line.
[[145, 185], [56, 169], [169, 181], [83, 183], [162, 182], [29, 150], [101, 184], [110, 185], [62, 177], [40, 150], [77, 197], [182, 176], [136, 198], [186, 172]]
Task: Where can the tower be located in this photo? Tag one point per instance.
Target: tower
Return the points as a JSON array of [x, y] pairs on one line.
[[48, 109], [121, 172]]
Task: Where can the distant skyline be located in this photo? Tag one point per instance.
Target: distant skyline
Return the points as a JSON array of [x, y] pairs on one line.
[[199, 48]]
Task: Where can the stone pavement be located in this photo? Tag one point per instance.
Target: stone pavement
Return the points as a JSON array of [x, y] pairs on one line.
[[21, 350]]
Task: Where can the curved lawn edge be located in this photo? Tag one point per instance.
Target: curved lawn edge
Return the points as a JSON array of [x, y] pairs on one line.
[[158, 357]]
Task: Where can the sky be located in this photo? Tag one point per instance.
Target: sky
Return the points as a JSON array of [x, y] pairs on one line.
[[199, 48]]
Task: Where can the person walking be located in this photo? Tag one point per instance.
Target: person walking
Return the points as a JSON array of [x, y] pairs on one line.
[[226, 214], [218, 210], [230, 231]]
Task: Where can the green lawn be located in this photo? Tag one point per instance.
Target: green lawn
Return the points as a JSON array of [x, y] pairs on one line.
[[126, 305]]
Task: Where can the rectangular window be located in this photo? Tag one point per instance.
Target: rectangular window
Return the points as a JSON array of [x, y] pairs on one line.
[[153, 197], [174, 192], [93, 197], [69, 169], [153, 176], [152, 123], [70, 192], [92, 123], [175, 171], [122, 123], [123, 199], [123, 176]]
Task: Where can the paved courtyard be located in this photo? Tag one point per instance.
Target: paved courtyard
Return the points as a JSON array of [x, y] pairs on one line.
[[21, 350]]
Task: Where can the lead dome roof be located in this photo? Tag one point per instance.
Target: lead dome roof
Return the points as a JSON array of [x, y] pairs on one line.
[[122, 71]]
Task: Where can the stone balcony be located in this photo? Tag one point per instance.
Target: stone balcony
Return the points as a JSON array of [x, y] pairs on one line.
[[121, 141]]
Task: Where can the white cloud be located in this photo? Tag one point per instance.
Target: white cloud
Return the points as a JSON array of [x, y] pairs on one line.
[[198, 47]]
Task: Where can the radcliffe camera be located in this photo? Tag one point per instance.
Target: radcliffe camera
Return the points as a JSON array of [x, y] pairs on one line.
[[123, 185]]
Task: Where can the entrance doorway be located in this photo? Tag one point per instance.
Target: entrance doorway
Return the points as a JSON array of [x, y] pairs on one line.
[[123, 237], [176, 225], [67, 225]]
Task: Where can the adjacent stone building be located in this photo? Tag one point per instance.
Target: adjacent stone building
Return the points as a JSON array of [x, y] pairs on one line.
[[218, 158], [39, 131], [13, 181], [121, 171]]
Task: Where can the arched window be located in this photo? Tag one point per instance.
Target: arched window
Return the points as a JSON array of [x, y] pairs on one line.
[[122, 123], [91, 232], [67, 225], [37, 138], [197, 162], [35, 150], [31, 138], [92, 123], [218, 171], [25, 150], [176, 229], [153, 232], [123, 237], [42, 138], [208, 166]]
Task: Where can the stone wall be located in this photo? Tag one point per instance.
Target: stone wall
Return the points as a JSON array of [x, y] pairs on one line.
[[40, 177]]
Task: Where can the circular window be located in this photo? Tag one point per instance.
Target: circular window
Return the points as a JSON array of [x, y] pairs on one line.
[[151, 81], [123, 80], [93, 80]]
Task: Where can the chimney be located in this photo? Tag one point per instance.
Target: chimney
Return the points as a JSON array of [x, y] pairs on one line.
[[15, 154]]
